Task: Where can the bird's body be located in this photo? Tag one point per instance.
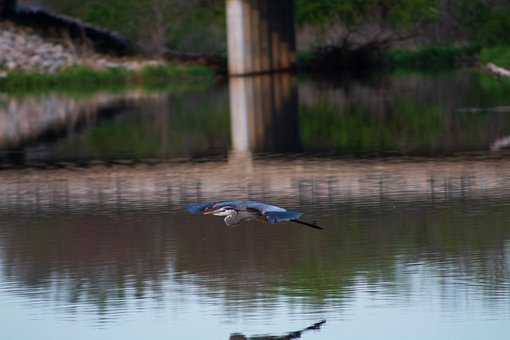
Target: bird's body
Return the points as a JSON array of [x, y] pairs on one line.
[[239, 211]]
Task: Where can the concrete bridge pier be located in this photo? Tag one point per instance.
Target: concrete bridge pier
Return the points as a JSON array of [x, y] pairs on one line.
[[261, 36]]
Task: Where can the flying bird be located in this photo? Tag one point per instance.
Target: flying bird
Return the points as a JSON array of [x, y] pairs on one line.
[[239, 211]]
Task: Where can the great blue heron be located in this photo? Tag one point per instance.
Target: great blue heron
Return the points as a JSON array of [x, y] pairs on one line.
[[239, 211]]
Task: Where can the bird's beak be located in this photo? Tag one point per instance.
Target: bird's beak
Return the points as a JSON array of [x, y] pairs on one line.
[[208, 212]]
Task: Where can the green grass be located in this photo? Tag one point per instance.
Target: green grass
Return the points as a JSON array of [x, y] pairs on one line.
[[496, 55], [429, 57], [83, 79]]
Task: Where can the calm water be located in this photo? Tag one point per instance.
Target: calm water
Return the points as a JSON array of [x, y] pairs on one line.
[[408, 173]]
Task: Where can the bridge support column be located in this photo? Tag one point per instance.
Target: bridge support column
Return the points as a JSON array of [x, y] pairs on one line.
[[261, 36]]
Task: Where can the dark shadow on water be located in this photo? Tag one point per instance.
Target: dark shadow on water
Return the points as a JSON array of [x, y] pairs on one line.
[[291, 335]]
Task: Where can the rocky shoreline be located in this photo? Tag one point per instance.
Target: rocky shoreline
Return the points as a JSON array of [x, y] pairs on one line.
[[22, 49]]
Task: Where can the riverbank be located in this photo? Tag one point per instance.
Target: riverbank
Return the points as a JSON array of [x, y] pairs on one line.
[[25, 49], [31, 62], [333, 59], [433, 57], [496, 60], [164, 76]]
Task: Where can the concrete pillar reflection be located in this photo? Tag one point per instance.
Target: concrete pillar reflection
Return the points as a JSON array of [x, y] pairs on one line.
[[261, 36], [264, 114]]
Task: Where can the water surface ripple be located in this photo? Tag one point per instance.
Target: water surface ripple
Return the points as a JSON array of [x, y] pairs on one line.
[[95, 244]]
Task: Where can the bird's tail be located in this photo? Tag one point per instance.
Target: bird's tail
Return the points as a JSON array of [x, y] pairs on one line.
[[311, 225]]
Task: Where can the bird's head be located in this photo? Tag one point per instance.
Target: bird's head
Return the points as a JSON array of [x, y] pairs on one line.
[[223, 211]]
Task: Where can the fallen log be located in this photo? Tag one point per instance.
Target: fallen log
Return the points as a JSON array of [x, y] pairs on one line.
[[499, 71]]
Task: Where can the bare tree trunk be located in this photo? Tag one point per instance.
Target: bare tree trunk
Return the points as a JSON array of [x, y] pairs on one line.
[[6, 7]]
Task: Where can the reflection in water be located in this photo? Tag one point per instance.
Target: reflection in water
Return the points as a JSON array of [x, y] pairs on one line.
[[289, 336], [103, 240], [414, 247], [501, 143], [74, 260], [28, 119], [133, 125], [408, 114], [405, 114], [292, 182], [264, 113], [109, 231]]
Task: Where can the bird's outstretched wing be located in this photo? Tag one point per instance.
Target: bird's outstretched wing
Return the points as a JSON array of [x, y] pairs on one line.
[[272, 213], [262, 208], [274, 217]]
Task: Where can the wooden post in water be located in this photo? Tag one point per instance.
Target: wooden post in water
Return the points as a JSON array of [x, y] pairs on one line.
[[261, 36]]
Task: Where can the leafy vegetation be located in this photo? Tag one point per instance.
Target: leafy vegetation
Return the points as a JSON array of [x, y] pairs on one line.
[[485, 21], [417, 33], [496, 55], [185, 25], [342, 34], [366, 23]]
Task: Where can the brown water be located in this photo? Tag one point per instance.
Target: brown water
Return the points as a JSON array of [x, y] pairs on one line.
[[412, 188]]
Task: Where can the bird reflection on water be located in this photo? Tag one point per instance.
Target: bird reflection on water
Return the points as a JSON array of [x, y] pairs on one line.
[[289, 336]]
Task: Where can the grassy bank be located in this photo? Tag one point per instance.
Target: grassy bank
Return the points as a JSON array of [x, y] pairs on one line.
[[79, 78], [436, 57], [499, 56]]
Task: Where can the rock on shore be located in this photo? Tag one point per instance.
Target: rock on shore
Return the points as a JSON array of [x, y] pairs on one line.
[[23, 49]]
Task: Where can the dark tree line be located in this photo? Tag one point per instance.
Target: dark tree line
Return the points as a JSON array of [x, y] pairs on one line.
[[199, 25]]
